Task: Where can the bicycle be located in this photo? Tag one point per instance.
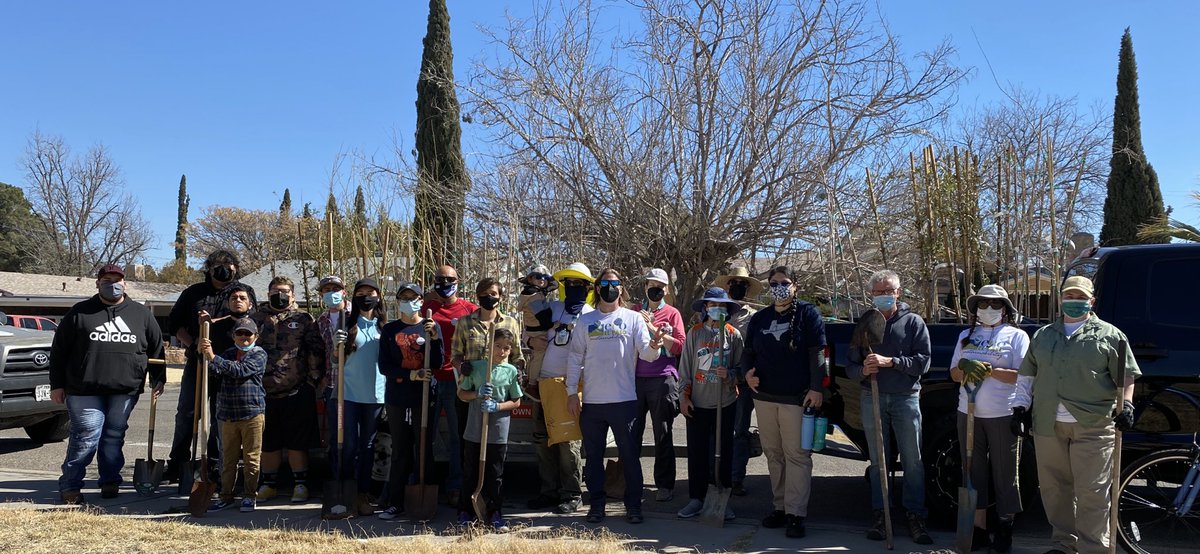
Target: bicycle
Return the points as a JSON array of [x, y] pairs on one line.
[[1158, 510]]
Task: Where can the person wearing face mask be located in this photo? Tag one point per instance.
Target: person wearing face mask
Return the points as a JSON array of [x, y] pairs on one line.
[[402, 348], [602, 364], [658, 381], [785, 370], [1065, 395], [897, 364], [241, 401], [295, 362], [211, 297], [987, 356], [364, 387], [742, 288], [471, 332], [708, 370], [97, 368], [448, 308], [560, 461]]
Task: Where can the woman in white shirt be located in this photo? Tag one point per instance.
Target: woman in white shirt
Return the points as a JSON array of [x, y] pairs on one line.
[[993, 340]]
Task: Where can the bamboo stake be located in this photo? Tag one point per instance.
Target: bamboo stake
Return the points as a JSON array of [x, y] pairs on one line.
[[923, 240], [931, 162], [329, 222], [303, 262], [1055, 248], [874, 204]]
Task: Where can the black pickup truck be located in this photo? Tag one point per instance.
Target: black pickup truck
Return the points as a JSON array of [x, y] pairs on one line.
[[1143, 290]]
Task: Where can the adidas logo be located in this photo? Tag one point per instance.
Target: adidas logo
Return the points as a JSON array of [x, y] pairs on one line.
[[114, 331]]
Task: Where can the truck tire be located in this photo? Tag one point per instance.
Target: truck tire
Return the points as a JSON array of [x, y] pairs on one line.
[[943, 471], [54, 429]]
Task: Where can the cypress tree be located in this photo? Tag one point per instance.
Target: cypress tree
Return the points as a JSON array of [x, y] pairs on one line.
[[181, 221], [1134, 198], [442, 179], [360, 209], [285, 207]]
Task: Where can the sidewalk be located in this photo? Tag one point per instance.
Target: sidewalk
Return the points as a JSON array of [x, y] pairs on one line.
[[661, 531]]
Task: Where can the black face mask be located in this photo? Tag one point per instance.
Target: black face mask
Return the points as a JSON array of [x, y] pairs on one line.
[[737, 291], [654, 294], [280, 300], [573, 297], [222, 273], [610, 293], [489, 302], [365, 303]]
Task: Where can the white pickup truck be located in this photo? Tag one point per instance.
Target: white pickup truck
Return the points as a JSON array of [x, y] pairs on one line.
[[25, 385]]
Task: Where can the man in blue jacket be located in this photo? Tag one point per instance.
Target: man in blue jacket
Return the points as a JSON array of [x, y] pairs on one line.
[[98, 365]]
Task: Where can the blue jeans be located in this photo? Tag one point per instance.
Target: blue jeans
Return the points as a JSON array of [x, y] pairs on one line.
[[447, 394], [594, 422], [900, 413], [98, 424], [742, 411], [358, 441]]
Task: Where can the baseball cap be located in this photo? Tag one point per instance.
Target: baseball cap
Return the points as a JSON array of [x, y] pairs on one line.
[[410, 286], [1079, 283], [245, 324], [659, 275], [331, 280], [110, 268]]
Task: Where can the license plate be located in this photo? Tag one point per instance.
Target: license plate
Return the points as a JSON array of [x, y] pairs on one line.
[[41, 393]]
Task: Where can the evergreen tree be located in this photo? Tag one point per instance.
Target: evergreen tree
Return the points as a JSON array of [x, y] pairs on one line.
[[182, 221], [359, 217], [441, 172], [1134, 198], [285, 207]]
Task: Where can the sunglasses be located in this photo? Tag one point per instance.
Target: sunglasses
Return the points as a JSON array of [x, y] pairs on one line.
[[445, 279], [575, 283], [541, 276], [609, 282], [994, 303], [243, 334]]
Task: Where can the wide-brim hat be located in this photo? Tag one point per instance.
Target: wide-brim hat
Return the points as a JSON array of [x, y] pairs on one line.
[[755, 288], [716, 294], [536, 269], [574, 271], [989, 292]]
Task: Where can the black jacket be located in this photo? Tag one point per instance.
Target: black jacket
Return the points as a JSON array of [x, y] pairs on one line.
[[101, 349], [185, 315]]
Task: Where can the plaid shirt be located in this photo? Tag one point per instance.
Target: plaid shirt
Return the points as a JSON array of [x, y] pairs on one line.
[[326, 328], [241, 395]]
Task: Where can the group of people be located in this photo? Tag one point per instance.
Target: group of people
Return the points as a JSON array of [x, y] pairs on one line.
[[598, 362]]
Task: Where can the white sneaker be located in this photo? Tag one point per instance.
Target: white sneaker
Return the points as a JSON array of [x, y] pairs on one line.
[[693, 509], [389, 514]]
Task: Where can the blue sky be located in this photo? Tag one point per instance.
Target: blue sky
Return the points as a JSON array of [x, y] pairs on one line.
[[248, 98]]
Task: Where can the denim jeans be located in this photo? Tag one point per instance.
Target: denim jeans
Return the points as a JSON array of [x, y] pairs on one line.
[[181, 441], [900, 413], [742, 412], [98, 425], [358, 441], [447, 395]]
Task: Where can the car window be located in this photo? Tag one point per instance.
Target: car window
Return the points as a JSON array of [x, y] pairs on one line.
[[49, 325], [1165, 307], [28, 323]]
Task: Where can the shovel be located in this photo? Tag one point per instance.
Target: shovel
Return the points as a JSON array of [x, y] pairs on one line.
[[187, 470], [148, 472], [340, 493], [1115, 478], [420, 500], [716, 500], [870, 330], [202, 490], [967, 495], [477, 500]]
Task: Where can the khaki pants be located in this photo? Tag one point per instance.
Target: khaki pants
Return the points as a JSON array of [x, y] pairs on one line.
[[1074, 470], [246, 437], [789, 465]]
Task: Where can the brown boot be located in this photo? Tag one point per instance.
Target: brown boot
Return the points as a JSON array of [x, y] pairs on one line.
[[364, 505]]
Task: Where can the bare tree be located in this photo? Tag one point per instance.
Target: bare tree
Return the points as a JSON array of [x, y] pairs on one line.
[[89, 218], [719, 129]]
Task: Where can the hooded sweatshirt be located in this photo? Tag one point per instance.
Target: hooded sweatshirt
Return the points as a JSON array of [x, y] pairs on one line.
[[702, 352], [906, 340], [777, 348], [101, 349]]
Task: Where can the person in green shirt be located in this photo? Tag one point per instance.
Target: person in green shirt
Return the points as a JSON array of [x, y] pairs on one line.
[[1066, 392]]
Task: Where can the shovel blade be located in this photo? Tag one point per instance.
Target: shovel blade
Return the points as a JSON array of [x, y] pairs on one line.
[[187, 477], [614, 479], [480, 506], [202, 492], [337, 501], [967, 497], [147, 476], [715, 503], [420, 501]]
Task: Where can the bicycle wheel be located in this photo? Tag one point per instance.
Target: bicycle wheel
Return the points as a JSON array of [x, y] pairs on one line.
[[1148, 517]]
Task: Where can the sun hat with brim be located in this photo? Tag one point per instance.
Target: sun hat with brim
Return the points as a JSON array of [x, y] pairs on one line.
[[574, 271], [755, 288], [1079, 283], [716, 294], [989, 292], [536, 269]]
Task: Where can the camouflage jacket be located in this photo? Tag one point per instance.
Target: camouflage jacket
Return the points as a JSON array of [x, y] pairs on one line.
[[295, 349]]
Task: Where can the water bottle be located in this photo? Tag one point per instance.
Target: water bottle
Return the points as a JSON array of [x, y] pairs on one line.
[[819, 429], [807, 426]]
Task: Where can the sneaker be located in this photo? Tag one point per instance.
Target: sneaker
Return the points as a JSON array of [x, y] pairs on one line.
[[916, 529], [299, 494], [634, 515], [71, 498], [465, 518], [109, 490], [729, 515], [774, 520], [595, 514], [498, 523], [391, 513], [739, 489], [693, 509], [795, 527], [542, 502], [878, 529], [248, 505], [664, 495], [219, 505], [266, 492], [569, 506]]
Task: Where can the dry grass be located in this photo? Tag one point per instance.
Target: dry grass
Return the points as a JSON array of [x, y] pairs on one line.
[[24, 529]]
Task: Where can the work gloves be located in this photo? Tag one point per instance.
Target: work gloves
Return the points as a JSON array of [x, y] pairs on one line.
[[1124, 420], [1021, 422], [486, 390], [489, 406], [339, 337], [974, 372]]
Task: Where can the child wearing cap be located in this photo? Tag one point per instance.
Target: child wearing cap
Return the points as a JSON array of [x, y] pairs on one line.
[[241, 401]]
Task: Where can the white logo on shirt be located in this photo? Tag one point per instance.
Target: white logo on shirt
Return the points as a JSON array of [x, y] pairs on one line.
[[777, 328], [113, 331]]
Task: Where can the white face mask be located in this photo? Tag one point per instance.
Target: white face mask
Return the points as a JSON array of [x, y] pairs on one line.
[[989, 316]]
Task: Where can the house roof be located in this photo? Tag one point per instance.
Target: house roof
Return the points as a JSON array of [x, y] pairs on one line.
[[294, 269], [69, 286]]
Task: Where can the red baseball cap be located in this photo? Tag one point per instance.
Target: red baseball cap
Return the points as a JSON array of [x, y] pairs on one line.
[[110, 268]]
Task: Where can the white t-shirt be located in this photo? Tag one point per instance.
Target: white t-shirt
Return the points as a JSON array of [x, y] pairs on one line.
[[1003, 346], [604, 350], [554, 362], [1064, 415]]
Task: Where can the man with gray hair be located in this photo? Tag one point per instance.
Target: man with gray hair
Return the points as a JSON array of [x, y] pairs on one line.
[[897, 365]]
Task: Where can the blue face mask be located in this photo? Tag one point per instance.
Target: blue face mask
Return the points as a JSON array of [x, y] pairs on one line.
[[410, 307], [1076, 308], [245, 348], [715, 313], [884, 302], [332, 298]]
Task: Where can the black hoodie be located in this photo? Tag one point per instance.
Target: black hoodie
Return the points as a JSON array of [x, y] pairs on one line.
[[101, 349]]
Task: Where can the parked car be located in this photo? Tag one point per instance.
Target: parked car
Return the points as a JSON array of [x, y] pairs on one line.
[[25, 385], [35, 322], [1138, 289]]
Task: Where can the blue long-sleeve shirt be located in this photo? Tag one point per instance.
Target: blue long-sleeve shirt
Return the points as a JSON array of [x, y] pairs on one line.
[[906, 341], [241, 395]]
